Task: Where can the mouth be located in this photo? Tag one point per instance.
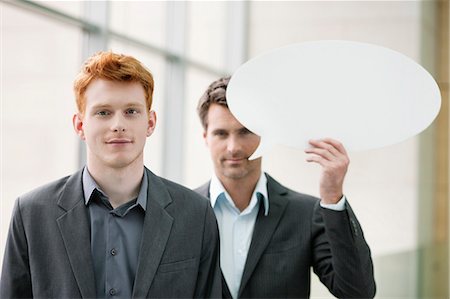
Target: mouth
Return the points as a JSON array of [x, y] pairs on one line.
[[234, 160], [119, 141]]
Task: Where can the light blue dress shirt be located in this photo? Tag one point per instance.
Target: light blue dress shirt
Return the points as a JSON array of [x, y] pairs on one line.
[[236, 227]]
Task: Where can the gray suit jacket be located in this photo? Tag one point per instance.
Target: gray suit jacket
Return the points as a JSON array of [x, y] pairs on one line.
[[48, 251], [296, 235]]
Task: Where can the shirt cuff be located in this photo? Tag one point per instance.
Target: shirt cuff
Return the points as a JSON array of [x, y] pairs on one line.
[[339, 206]]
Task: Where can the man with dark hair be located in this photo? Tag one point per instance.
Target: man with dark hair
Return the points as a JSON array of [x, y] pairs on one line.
[[271, 236], [113, 229]]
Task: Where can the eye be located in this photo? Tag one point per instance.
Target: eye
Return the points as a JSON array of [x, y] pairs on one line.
[[220, 133], [102, 113], [131, 111]]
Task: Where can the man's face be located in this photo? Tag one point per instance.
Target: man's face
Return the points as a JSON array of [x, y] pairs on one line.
[[230, 144], [115, 123]]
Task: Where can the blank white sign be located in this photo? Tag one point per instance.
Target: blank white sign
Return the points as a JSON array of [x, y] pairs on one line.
[[364, 95]]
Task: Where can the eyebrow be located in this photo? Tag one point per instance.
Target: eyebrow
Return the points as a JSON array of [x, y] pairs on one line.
[[240, 130], [129, 104], [244, 130], [219, 130], [135, 104]]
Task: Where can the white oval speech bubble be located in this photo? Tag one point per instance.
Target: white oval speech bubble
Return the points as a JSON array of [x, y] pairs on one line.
[[365, 96]]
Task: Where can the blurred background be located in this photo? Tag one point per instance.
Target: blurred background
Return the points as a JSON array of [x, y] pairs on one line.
[[400, 193]]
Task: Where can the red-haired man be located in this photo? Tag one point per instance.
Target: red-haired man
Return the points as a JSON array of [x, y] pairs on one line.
[[113, 229]]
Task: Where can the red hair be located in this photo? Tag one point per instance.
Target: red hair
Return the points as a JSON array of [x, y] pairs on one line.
[[113, 67]]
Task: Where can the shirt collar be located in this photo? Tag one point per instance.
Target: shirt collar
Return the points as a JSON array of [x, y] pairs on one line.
[[89, 185], [216, 188]]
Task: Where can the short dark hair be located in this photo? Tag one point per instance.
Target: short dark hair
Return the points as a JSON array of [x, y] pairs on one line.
[[215, 94]]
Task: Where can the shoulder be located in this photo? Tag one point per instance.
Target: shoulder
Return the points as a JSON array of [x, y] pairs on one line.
[[180, 195], [182, 191], [44, 200], [203, 189], [184, 204], [49, 192]]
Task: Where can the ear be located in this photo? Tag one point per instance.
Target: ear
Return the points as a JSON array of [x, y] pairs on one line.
[[205, 134], [151, 122], [77, 121]]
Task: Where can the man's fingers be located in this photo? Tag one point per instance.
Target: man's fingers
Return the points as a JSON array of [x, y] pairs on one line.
[[333, 146], [326, 154], [336, 144], [330, 150], [324, 145], [317, 159]]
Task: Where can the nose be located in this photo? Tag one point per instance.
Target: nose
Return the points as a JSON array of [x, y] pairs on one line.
[[118, 124], [233, 145]]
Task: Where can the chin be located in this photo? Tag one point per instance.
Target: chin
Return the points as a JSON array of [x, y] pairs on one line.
[[119, 162], [235, 174]]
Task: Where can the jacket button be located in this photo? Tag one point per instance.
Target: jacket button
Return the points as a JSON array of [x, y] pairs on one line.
[[113, 251], [112, 292]]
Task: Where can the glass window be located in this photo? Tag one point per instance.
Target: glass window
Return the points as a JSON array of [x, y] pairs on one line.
[[142, 20], [207, 32], [40, 59], [197, 162], [73, 8]]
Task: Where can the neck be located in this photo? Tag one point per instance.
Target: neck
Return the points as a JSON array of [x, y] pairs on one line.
[[241, 189], [120, 184]]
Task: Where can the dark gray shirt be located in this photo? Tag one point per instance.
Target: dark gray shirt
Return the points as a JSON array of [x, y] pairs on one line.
[[115, 238]]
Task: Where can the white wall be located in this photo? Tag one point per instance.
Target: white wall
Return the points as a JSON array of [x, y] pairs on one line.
[[381, 185]]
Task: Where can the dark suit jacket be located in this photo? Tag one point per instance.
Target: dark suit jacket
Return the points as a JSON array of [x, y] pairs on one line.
[[48, 251], [296, 235]]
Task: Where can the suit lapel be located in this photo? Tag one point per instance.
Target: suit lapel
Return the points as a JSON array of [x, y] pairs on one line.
[[75, 231], [264, 228], [156, 231]]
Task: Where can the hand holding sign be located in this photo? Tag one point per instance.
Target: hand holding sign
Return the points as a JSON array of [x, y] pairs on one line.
[[363, 95]]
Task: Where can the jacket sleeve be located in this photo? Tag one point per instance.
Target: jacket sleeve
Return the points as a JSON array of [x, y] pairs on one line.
[[209, 280], [15, 279], [341, 256]]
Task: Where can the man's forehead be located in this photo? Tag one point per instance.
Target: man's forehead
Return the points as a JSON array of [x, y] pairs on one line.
[[223, 124], [102, 87], [110, 93]]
